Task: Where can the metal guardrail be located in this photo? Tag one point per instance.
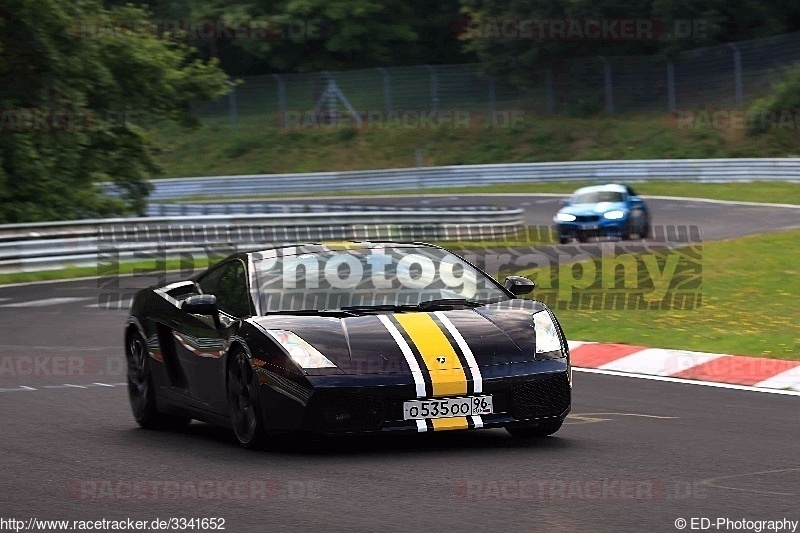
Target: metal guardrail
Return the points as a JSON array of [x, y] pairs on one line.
[[55, 245], [707, 170], [257, 207]]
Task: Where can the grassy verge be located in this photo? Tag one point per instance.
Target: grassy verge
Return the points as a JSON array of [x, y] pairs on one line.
[[757, 191], [749, 306], [133, 267], [259, 146]]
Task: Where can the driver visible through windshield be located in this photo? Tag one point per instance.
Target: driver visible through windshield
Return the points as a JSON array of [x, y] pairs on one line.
[[596, 197]]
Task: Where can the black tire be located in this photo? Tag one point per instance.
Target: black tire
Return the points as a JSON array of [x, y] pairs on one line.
[[582, 237], [542, 430], [141, 392], [563, 240], [645, 231], [243, 402]]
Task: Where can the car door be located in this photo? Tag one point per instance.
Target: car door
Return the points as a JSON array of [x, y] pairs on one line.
[[201, 345]]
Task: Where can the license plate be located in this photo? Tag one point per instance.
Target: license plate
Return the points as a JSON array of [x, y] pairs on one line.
[[589, 226], [447, 407]]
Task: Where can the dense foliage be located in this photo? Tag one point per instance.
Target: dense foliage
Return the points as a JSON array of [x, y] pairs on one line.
[[74, 104], [84, 80]]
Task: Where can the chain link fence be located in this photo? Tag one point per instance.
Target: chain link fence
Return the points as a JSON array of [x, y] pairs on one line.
[[712, 77]]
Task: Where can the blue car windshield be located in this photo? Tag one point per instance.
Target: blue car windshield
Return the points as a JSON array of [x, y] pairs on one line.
[[595, 197]]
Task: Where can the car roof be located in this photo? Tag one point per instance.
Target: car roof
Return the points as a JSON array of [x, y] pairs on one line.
[[612, 187]]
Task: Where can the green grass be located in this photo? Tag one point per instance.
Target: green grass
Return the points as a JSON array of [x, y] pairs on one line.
[[757, 191], [259, 146], [72, 272], [749, 305]]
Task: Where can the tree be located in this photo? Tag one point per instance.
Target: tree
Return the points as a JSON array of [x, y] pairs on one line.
[[720, 21], [80, 85]]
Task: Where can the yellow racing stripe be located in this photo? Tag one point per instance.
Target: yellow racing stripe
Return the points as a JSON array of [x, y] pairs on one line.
[[443, 424], [448, 379]]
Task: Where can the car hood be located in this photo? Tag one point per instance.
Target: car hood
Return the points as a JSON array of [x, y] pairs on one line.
[[495, 334], [593, 209]]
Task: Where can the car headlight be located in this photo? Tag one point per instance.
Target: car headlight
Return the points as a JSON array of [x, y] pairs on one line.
[[614, 215], [547, 338], [565, 217], [302, 353]]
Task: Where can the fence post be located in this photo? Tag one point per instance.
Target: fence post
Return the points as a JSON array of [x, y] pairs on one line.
[[548, 88], [387, 91], [492, 102], [281, 99], [232, 106], [737, 74], [333, 111], [609, 85], [434, 90], [420, 182], [671, 102]]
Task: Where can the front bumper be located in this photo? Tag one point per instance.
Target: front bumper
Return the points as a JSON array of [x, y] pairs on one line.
[[522, 393], [600, 228]]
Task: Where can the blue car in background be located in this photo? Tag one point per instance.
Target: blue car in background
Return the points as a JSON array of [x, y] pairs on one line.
[[602, 211]]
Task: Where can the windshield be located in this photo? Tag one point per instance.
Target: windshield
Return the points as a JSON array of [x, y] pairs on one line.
[[595, 197], [293, 279]]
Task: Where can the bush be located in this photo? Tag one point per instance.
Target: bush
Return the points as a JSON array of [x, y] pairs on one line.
[[783, 103]]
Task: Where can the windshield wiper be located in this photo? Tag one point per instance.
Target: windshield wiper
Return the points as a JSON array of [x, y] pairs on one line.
[[379, 307], [449, 303], [443, 303], [311, 312]]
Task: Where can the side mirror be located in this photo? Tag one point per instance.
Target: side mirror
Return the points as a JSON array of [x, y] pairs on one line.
[[518, 285], [202, 304]]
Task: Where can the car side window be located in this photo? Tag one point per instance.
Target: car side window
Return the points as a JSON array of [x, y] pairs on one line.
[[229, 284], [208, 284]]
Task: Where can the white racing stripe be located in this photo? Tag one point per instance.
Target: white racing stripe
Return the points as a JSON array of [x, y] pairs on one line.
[[477, 380], [422, 427], [477, 421], [419, 382]]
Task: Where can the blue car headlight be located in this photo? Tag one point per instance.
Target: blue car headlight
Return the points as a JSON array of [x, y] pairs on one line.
[[565, 217], [614, 215]]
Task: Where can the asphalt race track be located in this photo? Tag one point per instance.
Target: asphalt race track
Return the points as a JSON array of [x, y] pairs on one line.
[[714, 220], [635, 455]]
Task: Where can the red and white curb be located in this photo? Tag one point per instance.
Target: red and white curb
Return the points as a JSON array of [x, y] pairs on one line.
[[734, 369]]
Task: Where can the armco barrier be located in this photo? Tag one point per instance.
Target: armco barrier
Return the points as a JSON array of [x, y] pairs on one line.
[[706, 170], [54, 245]]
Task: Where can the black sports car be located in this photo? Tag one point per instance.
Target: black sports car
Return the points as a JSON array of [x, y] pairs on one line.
[[346, 338]]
